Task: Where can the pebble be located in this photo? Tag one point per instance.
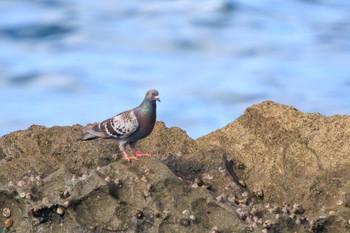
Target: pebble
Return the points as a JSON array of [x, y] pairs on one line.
[[20, 183], [45, 201], [107, 179], [331, 212], [146, 194], [66, 194], [221, 169], [29, 196], [245, 194], [6, 212], [144, 179], [60, 211], [186, 212], [32, 178], [267, 224], [8, 223], [214, 229], [242, 183], [84, 176], [339, 203], [185, 222], [22, 194], [139, 214], [192, 217], [259, 193], [66, 203], [298, 209]]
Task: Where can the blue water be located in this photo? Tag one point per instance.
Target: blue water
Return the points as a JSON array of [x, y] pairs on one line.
[[67, 62]]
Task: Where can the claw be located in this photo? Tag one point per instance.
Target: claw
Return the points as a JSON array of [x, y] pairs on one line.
[[128, 158], [139, 154]]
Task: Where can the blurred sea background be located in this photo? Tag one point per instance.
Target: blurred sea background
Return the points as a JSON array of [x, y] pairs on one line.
[[67, 62]]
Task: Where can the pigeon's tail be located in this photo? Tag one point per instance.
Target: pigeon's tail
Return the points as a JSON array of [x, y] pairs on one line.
[[88, 136], [95, 132]]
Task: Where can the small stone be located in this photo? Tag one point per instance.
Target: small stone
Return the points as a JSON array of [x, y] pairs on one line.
[[22, 194], [39, 183], [185, 222], [277, 216], [242, 213], [285, 210], [339, 203], [264, 230], [194, 185], [232, 199], [32, 178], [298, 209], [6, 212], [45, 201], [331, 212], [66, 194], [192, 217], [60, 210], [38, 178], [298, 221], [74, 179], [144, 179], [66, 203], [146, 194], [198, 181], [84, 176], [186, 212], [209, 177], [214, 229], [98, 168], [139, 214], [8, 223], [259, 193], [107, 179], [221, 169], [245, 194], [242, 183], [29, 196], [221, 198], [267, 224], [21, 183], [254, 211]]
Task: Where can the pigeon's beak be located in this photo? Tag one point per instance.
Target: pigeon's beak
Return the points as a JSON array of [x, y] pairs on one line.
[[157, 98]]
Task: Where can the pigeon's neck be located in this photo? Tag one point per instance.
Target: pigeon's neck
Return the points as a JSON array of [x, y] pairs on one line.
[[147, 107]]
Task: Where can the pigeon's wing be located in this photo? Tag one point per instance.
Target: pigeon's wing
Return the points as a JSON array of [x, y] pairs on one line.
[[121, 126]]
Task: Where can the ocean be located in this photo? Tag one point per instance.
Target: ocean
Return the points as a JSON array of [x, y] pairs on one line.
[[77, 62]]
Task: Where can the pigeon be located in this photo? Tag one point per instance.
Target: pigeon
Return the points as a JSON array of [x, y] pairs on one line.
[[129, 126]]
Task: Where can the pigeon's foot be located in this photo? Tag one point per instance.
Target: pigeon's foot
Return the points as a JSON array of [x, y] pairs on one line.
[[139, 154], [127, 157]]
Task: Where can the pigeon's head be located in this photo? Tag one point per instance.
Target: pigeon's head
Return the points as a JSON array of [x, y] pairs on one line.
[[152, 95]]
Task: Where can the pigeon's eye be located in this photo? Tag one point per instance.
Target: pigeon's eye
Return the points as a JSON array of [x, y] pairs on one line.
[[150, 94]]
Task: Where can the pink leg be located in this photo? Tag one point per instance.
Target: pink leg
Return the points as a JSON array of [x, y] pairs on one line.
[[128, 157], [139, 154]]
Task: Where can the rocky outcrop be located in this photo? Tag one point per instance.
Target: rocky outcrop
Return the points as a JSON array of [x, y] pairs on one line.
[[274, 169]]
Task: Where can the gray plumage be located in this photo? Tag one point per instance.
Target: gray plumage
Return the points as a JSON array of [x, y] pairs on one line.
[[128, 127]]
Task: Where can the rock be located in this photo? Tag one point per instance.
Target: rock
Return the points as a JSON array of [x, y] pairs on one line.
[[236, 179]]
